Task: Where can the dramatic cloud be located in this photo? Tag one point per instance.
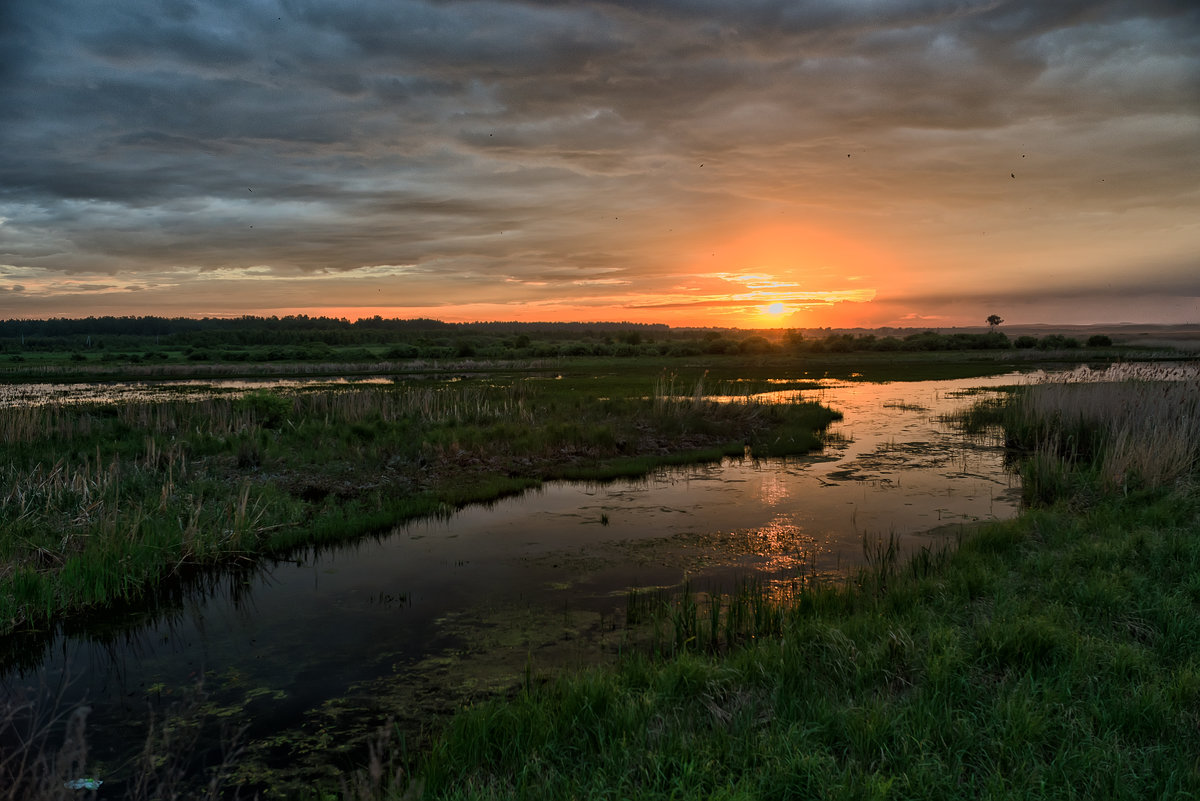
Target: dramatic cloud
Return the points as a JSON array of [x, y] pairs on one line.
[[684, 161]]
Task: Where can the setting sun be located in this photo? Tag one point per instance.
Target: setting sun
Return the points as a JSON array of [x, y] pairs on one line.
[[496, 179]]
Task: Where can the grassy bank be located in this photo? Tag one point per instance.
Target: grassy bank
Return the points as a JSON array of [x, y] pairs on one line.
[[1055, 656], [876, 365], [105, 502], [159, 346]]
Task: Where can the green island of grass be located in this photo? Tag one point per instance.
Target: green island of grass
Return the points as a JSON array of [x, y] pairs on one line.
[[106, 501]]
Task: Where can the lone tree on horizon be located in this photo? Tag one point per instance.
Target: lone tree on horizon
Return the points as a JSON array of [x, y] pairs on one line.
[[994, 320]]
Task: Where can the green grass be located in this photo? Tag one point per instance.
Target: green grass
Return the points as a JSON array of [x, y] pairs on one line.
[[1055, 656], [103, 503], [646, 360]]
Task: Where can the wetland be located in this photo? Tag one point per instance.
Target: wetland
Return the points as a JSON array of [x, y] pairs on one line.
[[324, 556]]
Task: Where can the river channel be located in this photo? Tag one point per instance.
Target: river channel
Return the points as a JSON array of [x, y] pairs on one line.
[[316, 651]]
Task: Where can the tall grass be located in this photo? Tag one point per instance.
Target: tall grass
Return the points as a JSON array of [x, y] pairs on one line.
[[1139, 433], [1136, 433], [1132, 435], [1053, 656], [100, 502], [44, 748], [269, 369]]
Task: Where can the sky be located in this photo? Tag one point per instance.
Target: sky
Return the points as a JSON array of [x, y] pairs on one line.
[[759, 163]]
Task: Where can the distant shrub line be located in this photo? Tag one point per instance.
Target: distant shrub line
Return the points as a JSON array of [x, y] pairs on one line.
[[234, 347]]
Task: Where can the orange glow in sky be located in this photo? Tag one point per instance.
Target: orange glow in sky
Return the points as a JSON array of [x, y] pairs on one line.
[[691, 163], [784, 275]]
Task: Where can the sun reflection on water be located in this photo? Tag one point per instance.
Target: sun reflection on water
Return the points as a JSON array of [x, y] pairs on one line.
[[773, 489]]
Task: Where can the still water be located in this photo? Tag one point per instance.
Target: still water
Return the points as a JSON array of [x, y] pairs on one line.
[[318, 649], [17, 395]]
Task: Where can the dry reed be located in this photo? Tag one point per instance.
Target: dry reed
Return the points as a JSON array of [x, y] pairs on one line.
[[1140, 432]]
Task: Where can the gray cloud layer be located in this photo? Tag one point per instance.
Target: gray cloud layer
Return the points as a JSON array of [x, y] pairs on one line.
[[540, 142]]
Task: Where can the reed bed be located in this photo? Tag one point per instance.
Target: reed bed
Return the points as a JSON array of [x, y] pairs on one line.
[[1053, 656], [428, 404], [228, 414], [1129, 427], [102, 502], [686, 620], [277, 369], [1135, 434]]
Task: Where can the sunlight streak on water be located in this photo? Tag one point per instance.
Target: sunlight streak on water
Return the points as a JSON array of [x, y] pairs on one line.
[[144, 391], [475, 591]]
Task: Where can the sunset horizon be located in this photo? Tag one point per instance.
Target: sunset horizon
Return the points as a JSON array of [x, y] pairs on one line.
[[550, 399], [770, 166]]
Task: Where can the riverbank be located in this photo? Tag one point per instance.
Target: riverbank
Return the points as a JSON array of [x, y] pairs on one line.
[[687, 633], [106, 502], [1053, 656]]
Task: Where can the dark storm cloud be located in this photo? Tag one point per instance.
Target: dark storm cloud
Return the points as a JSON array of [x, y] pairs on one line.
[[509, 140]]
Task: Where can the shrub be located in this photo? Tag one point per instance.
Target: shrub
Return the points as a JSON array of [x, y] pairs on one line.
[[402, 352], [1052, 341], [755, 345], [840, 344], [719, 345], [269, 409], [887, 344]]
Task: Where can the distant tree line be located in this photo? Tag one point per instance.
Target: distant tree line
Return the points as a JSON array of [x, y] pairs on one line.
[[303, 338], [295, 325], [932, 340], [922, 341], [293, 330]]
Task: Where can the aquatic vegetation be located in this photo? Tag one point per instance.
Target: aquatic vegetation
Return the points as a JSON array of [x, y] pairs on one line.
[[44, 749], [1122, 434], [104, 501], [1134, 434], [1011, 666]]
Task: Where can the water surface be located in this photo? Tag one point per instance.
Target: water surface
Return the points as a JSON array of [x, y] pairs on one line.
[[320, 648]]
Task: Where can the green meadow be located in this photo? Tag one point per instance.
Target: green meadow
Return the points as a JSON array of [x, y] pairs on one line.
[[105, 502], [1053, 656]]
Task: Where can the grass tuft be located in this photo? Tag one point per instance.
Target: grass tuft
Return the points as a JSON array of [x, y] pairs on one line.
[[1047, 657], [104, 503]]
